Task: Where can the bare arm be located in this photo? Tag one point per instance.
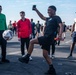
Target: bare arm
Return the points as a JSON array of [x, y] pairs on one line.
[[73, 28], [60, 30], [39, 14]]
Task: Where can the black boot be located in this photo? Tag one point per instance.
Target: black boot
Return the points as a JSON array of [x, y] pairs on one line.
[[24, 59], [5, 61], [51, 71]]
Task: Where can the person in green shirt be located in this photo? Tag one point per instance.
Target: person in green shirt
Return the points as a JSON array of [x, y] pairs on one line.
[[3, 42]]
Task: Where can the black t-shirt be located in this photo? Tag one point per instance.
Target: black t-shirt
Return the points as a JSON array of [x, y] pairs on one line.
[[64, 28], [33, 26], [52, 23]]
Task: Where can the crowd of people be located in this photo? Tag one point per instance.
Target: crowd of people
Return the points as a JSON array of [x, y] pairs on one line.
[[29, 33]]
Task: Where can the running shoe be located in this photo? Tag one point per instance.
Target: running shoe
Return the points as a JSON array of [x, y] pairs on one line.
[[53, 56], [30, 58]]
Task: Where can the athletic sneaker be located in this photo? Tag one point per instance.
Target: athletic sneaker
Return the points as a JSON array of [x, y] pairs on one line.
[[24, 59], [51, 71], [5, 61], [23, 55], [30, 58], [53, 56]]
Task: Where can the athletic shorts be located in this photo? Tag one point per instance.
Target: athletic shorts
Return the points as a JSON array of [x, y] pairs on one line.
[[45, 42], [74, 37]]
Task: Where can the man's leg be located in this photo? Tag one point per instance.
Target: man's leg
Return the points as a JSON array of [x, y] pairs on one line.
[[45, 54], [49, 61], [3, 48], [71, 49], [53, 48], [58, 42], [22, 46], [27, 43], [27, 46], [15, 30]]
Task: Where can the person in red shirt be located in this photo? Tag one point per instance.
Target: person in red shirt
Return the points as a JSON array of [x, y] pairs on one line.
[[24, 31], [14, 27]]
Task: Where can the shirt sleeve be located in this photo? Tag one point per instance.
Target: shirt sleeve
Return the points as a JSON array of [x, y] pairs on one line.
[[5, 24], [46, 21], [59, 20]]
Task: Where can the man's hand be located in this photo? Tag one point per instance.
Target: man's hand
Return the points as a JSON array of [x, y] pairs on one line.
[[34, 7], [38, 12]]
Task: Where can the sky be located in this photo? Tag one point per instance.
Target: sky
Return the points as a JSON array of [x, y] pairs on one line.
[[65, 9]]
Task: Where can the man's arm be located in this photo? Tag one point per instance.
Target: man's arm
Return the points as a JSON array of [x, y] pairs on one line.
[[73, 28], [39, 14], [60, 30], [5, 24]]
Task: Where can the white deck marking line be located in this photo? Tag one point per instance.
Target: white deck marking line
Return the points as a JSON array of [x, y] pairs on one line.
[[68, 41], [17, 52]]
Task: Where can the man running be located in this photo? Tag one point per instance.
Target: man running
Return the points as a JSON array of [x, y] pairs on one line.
[[3, 42], [52, 22], [73, 34]]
